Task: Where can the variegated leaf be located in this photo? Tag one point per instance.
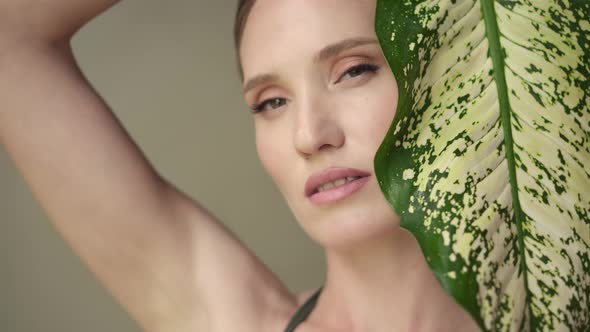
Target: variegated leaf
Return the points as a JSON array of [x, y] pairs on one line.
[[488, 157]]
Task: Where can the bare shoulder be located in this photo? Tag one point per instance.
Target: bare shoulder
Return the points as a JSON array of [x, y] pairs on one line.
[[302, 297], [262, 308], [270, 310], [278, 314]]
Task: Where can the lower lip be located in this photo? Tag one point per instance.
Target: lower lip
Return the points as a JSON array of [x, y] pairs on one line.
[[337, 193]]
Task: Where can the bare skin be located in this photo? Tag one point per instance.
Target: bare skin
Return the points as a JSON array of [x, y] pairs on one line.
[[47, 106]]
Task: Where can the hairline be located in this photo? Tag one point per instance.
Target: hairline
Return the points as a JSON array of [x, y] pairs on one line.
[[242, 14]]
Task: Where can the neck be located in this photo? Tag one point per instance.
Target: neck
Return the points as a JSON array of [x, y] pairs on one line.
[[385, 285]]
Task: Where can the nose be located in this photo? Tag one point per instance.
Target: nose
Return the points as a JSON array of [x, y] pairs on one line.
[[317, 127]]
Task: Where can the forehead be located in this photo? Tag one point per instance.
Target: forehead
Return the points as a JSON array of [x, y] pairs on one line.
[[281, 31]]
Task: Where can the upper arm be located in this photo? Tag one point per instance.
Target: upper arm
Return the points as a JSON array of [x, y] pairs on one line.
[[170, 264], [185, 271], [235, 288]]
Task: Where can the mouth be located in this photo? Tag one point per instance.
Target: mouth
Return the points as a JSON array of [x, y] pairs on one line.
[[334, 184]]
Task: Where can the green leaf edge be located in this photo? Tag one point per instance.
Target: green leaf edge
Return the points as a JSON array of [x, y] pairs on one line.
[[398, 202]]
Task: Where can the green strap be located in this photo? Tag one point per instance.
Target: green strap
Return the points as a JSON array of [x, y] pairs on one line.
[[303, 312]]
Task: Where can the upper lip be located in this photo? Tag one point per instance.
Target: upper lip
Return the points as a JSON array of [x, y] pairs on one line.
[[329, 175]]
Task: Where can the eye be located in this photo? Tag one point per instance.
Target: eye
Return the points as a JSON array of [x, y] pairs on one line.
[[358, 70], [269, 104]]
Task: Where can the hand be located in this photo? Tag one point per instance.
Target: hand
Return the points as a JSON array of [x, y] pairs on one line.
[[47, 20]]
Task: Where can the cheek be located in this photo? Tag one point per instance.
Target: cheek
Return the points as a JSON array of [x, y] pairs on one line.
[[271, 152], [386, 113], [381, 103], [264, 151]]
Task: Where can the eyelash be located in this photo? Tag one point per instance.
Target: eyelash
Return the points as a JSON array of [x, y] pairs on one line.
[[362, 67], [262, 105]]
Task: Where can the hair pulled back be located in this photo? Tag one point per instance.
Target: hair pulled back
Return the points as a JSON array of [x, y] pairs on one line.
[[242, 13]]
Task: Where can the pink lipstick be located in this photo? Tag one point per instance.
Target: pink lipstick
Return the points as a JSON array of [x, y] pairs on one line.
[[334, 184]]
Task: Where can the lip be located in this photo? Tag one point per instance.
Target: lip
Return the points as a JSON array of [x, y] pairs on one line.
[[333, 174]]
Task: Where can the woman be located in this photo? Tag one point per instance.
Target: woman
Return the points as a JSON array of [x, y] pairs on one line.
[[323, 97]]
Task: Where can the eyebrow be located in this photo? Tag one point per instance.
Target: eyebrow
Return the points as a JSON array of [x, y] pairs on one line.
[[341, 46], [325, 53], [260, 80]]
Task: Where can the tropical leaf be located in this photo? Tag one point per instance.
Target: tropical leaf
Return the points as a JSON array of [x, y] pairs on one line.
[[486, 157]]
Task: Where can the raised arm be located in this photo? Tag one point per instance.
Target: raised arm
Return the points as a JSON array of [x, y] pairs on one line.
[[169, 263]]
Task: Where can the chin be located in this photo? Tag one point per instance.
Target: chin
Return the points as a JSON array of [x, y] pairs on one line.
[[353, 226], [356, 237]]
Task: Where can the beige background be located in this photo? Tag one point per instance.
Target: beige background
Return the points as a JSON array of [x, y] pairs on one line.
[[167, 69]]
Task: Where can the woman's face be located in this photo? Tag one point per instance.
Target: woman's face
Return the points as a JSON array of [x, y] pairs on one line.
[[324, 98]]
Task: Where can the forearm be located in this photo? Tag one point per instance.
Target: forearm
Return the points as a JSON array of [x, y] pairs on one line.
[[101, 194], [39, 21], [62, 136]]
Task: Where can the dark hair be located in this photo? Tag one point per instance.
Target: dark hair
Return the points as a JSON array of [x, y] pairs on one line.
[[244, 8]]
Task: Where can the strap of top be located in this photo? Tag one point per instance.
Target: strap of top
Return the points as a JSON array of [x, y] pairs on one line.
[[303, 311]]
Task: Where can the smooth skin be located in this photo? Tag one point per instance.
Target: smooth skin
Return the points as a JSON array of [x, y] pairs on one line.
[[128, 224]]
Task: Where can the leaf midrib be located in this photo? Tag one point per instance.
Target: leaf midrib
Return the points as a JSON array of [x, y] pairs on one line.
[[496, 53]]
